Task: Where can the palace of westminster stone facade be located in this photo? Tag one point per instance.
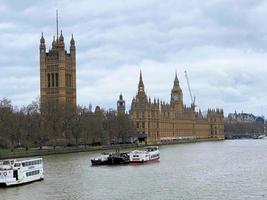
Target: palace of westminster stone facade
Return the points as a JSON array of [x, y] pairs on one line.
[[157, 121]]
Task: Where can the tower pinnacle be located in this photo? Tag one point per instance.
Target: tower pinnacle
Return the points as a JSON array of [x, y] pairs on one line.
[[42, 40], [176, 78], [140, 84], [72, 42], [42, 44]]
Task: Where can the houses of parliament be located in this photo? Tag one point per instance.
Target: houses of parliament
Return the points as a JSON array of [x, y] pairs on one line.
[[154, 120], [159, 121]]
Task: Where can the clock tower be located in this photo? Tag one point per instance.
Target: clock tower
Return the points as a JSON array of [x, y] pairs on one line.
[[177, 96]]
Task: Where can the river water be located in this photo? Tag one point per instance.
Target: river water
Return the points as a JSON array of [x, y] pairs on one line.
[[231, 169]]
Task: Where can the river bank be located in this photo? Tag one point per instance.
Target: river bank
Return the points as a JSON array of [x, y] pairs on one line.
[[21, 153]]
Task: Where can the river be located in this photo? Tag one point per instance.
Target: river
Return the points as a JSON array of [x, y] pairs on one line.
[[230, 169]]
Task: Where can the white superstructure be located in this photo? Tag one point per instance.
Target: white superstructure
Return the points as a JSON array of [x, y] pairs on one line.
[[147, 155], [13, 172]]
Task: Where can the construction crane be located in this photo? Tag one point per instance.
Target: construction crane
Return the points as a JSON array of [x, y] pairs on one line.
[[192, 99]]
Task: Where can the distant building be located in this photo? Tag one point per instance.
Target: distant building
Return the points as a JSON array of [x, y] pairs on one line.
[[58, 73], [244, 118], [121, 105], [159, 121], [260, 120]]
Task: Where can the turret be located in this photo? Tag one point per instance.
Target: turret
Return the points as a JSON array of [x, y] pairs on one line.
[[121, 105], [72, 44], [42, 44], [61, 41], [54, 44]]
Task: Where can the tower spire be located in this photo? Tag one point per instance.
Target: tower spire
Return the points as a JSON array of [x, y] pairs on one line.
[[176, 78], [141, 78], [176, 81], [141, 84]]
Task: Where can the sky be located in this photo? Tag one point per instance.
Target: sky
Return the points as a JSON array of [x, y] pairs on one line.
[[222, 44]]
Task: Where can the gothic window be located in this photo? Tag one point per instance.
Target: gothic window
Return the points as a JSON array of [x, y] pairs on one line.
[[143, 124], [53, 81], [56, 79], [68, 80], [137, 125], [48, 80]]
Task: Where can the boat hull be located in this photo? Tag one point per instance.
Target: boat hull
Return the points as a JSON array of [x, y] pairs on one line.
[[145, 161], [113, 159], [21, 182]]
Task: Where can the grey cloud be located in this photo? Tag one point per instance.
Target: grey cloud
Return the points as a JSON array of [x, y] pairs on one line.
[[222, 44]]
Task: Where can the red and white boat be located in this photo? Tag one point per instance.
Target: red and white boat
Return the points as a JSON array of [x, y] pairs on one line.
[[149, 154]]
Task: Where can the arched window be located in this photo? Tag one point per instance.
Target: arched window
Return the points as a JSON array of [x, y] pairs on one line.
[[68, 80], [56, 79], [48, 80], [53, 81]]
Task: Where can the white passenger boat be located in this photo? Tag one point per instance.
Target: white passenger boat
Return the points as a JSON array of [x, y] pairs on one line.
[[14, 172], [149, 154]]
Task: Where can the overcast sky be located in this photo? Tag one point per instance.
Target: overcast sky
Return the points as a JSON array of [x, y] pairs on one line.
[[221, 43]]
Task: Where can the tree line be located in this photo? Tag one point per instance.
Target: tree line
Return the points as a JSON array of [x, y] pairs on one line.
[[243, 129], [28, 126]]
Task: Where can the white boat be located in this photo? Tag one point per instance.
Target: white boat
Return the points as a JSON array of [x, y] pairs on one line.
[[14, 172], [101, 160], [261, 136], [149, 154]]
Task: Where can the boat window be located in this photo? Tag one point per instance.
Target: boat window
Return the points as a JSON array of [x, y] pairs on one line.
[[17, 165], [6, 162], [33, 173]]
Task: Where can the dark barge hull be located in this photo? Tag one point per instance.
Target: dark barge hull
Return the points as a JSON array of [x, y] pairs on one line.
[[113, 159]]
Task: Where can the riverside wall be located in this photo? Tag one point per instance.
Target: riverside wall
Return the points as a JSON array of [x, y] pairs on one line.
[[65, 150]]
